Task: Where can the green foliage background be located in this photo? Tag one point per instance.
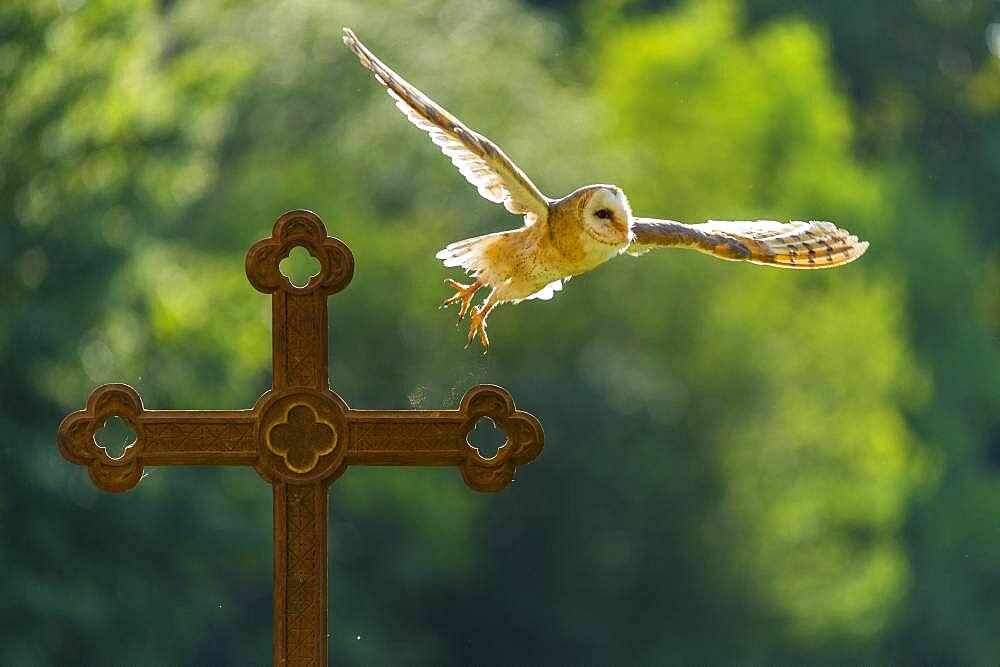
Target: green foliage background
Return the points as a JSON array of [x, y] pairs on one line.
[[742, 465]]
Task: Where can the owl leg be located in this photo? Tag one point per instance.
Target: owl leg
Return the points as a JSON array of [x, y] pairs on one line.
[[477, 322], [463, 294]]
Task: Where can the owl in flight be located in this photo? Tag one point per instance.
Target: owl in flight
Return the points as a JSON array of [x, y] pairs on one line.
[[561, 238]]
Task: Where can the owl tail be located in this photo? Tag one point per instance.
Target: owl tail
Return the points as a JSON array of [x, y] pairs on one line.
[[471, 254], [794, 245]]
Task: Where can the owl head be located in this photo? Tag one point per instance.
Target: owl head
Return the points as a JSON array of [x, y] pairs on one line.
[[605, 214]]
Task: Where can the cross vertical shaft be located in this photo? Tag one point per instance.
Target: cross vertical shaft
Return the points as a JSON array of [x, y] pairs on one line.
[[300, 573], [299, 359], [300, 340]]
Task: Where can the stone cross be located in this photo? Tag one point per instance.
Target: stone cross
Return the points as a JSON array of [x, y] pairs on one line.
[[300, 435]]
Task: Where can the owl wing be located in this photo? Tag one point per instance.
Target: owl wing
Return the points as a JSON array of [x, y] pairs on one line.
[[791, 245], [480, 160]]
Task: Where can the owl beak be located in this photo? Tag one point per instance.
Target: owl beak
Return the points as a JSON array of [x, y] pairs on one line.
[[620, 226]]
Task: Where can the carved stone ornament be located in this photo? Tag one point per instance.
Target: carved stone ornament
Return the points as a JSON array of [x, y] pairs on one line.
[[300, 436]]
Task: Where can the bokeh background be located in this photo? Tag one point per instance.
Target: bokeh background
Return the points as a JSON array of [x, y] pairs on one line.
[[742, 464]]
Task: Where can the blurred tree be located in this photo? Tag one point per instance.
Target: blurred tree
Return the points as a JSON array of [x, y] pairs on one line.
[[727, 126], [924, 82], [110, 127]]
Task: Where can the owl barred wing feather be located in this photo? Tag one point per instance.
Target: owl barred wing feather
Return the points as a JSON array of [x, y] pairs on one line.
[[790, 245], [481, 161]]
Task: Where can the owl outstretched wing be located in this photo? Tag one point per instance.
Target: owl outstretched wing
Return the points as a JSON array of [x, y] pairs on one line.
[[790, 245], [480, 160]]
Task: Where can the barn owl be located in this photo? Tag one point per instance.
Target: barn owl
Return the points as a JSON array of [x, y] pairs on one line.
[[562, 238]]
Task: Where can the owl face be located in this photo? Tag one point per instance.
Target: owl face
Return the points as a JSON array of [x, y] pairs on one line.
[[607, 216]]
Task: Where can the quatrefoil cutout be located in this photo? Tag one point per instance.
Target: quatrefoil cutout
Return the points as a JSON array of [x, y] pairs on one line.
[[115, 437], [487, 438], [300, 267], [300, 229], [78, 445], [302, 438]]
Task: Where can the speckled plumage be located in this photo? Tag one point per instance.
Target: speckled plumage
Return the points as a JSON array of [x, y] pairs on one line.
[[564, 237]]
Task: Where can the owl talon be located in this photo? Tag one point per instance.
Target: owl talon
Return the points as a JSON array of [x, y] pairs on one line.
[[477, 326], [463, 294]]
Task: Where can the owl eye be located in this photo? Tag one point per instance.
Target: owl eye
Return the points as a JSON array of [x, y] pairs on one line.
[[603, 213]]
